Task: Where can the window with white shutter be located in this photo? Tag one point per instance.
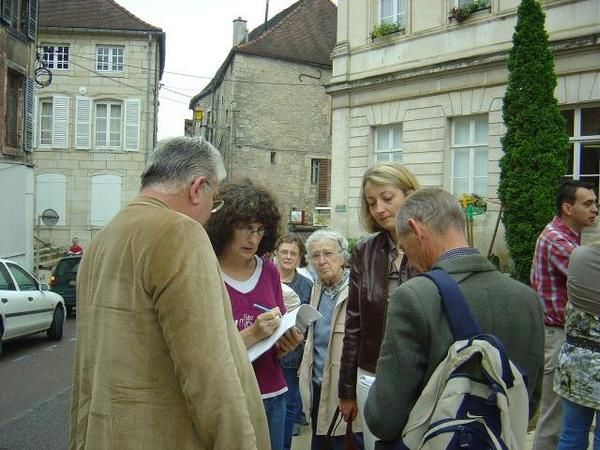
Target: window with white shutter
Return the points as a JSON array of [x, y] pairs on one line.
[[83, 123], [51, 192], [108, 125], [132, 124], [106, 198], [60, 123]]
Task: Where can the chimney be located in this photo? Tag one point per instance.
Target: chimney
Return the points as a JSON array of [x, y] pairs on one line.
[[240, 32]]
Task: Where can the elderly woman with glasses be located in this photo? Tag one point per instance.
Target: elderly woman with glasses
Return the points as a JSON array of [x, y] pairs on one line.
[[241, 231], [319, 372]]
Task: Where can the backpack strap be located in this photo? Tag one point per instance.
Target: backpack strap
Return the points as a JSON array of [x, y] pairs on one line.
[[462, 322], [457, 310]]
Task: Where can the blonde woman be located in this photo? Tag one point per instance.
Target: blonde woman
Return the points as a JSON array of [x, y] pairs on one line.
[[376, 270]]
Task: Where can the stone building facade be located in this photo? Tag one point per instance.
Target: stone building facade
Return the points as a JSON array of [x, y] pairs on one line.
[[267, 111], [430, 96], [96, 123], [18, 29]]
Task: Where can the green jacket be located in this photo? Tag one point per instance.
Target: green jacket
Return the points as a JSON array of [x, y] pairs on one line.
[[417, 337]]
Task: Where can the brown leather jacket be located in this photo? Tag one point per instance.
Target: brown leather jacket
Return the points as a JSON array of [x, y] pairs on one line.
[[366, 309]]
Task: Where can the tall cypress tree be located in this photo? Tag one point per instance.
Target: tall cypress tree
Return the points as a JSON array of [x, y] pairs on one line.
[[536, 143]]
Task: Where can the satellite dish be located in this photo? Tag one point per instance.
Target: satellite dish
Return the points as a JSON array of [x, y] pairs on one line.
[[49, 217]]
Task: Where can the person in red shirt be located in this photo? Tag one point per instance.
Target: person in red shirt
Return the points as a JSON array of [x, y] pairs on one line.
[[75, 249], [576, 208]]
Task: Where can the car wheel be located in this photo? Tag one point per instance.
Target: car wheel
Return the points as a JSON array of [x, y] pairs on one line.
[[55, 332]]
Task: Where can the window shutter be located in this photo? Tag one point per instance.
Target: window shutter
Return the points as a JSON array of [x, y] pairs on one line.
[[132, 124], [31, 23], [29, 115], [83, 123], [60, 121], [324, 184], [7, 11]]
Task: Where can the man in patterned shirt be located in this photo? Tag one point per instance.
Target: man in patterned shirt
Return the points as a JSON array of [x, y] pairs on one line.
[[576, 208]]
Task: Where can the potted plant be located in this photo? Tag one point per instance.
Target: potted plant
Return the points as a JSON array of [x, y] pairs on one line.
[[385, 29], [461, 13]]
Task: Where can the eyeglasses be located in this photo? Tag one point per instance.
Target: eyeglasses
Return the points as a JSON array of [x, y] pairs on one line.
[[289, 253], [248, 231], [218, 202], [326, 255]]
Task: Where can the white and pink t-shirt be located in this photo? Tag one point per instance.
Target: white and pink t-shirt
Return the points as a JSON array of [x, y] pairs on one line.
[[263, 288]]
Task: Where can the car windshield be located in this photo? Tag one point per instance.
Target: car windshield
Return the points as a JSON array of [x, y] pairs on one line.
[[67, 266]]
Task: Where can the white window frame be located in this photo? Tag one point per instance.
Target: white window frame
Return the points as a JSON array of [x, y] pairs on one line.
[[390, 150], [41, 131], [472, 147], [398, 16], [578, 141], [59, 121], [52, 59], [110, 58], [107, 133]]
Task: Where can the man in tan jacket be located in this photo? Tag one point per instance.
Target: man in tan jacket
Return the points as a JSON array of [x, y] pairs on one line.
[[159, 363]]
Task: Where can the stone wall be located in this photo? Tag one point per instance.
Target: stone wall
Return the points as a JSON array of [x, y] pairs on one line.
[[269, 125]]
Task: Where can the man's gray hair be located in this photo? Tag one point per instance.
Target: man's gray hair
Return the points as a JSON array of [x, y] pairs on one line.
[[332, 235], [177, 161], [434, 207]]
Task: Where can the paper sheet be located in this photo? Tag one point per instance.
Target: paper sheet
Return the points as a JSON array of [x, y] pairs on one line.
[[300, 317]]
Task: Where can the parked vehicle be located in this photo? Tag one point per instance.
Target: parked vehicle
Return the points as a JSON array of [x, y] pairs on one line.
[[63, 280], [27, 306]]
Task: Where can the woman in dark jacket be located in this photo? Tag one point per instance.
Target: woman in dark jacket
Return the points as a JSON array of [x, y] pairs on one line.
[[377, 268]]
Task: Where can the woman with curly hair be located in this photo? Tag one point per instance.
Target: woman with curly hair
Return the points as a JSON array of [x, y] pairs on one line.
[[243, 230]]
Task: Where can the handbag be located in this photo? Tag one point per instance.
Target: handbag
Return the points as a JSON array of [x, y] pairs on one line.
[[350, 442]]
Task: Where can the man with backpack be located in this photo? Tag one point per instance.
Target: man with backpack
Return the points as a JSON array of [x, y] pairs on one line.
[[418, 335]]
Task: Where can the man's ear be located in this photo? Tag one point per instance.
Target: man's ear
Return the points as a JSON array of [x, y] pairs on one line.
[[196, 188], [415, 228], [567, 209]]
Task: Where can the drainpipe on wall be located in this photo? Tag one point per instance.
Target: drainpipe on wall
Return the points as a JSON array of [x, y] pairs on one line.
[[150, 128]]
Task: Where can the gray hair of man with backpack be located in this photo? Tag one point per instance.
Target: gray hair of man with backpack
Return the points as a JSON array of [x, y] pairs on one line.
[[420, 334]]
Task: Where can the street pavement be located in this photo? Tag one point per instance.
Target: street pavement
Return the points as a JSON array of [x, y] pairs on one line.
[[35, 390]]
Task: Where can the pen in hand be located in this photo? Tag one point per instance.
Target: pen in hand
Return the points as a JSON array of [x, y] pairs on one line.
[[262, 308]]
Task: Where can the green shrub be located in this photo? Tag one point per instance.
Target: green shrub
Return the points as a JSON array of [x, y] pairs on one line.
[[536, 143]]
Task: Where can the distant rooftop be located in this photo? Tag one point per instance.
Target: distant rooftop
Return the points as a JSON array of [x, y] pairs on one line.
[[94, 14], [304, 32]]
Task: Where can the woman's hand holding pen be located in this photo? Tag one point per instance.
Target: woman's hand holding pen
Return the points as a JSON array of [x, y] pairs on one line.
[[266, 323]]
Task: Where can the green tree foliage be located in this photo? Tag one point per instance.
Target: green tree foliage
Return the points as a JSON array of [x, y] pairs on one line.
[[536, 144]]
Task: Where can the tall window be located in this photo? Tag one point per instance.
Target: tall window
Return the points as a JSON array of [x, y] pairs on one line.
[[470, 155], [56, 57], [106, 198], [53, 121], [392, 11], [583, 127], [14, 108], [109, 58], [108, 123], [388, 143], [320, 174], [46, 122]]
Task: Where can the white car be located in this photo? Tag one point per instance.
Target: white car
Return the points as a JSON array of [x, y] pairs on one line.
[[27, 306]]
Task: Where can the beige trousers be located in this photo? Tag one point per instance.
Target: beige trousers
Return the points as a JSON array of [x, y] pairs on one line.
[[550, 414]]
